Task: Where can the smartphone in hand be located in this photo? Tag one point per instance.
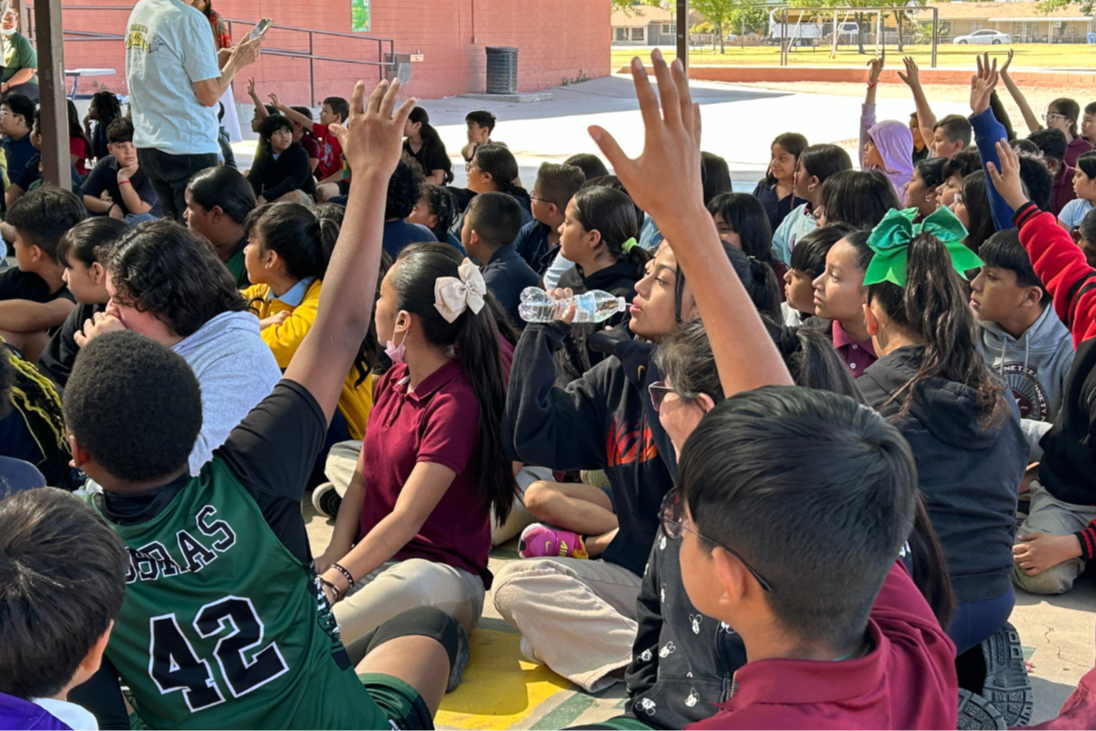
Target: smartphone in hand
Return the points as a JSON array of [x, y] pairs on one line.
[[261, 28]]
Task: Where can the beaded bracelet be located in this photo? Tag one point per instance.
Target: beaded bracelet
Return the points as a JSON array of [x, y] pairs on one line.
[[346, 574]]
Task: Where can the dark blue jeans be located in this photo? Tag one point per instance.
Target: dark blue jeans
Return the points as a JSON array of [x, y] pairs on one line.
[[975, 621]]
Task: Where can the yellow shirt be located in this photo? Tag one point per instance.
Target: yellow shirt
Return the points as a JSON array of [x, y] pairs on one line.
[[355, 402]]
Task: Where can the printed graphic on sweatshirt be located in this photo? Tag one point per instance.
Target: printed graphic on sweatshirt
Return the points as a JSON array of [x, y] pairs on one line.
[[624, 447], [1030, 395]]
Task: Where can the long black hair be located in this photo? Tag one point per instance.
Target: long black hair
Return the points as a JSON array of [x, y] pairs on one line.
[[979, 212], [475, 338], [1087, 164], [108, 107], [757, 277], [75, 129], [225, 187], [794, 144], [822, 161], [613, 215], [859, 197], [293, 232], [716, 175], [933, 307], [431, 139], [747, 217], [502, 166], [91, 241]]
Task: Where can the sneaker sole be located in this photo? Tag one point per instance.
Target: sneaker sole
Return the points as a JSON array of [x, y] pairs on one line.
[[522, 545], [1008, 686], [978, 714], [464, 654]]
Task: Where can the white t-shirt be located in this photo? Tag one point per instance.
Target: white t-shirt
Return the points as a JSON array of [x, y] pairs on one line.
[[74, 716], [1074, 212], [169, 46]]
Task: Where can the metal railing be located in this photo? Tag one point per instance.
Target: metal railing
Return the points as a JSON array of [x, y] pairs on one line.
[[384, 46]]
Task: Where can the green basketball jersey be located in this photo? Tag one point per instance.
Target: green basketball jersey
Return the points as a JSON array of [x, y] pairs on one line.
[[222, 627]]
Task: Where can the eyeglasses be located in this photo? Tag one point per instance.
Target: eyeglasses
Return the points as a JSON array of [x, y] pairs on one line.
[[658, 391], [673, 518], [542, 200], [1052, 115]]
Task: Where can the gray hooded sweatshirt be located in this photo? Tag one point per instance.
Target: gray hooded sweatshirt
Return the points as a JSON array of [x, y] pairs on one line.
[[235, 370], [1035, 366]]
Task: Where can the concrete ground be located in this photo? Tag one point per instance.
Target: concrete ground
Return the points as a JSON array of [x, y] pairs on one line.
[[501, 690]]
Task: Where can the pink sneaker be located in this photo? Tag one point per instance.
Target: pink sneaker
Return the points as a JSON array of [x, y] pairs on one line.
[[540, 541]]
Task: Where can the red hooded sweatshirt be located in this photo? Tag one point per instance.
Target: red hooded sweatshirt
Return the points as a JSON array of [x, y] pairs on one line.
[[907, 681]]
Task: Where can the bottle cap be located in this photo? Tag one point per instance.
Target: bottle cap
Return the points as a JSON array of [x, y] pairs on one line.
[[622, 304]]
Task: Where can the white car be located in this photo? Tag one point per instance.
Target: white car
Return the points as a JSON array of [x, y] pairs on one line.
[[988, 37]]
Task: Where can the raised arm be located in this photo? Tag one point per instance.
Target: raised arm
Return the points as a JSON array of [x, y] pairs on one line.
[[867, 112], [665, 181], [987, 131], [926, 120], [260, 108], [1030, 118], [372, 140], [291, 114], [1058, 262]]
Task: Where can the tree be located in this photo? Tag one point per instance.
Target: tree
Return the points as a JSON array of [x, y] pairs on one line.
[[717, 12]]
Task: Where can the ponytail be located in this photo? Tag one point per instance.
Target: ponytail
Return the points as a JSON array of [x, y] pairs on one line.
[[293, 232], [431, 139], [475, 339], [613, 215], [502, 166], [933, 307]]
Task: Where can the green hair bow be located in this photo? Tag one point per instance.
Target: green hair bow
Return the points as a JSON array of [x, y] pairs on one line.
[[890, 241]]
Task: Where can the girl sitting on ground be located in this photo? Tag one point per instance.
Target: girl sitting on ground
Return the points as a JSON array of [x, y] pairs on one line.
[[777, 190]]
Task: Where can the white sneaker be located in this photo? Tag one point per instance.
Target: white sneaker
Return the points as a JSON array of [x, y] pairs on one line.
[[326, 500], [529, 653]]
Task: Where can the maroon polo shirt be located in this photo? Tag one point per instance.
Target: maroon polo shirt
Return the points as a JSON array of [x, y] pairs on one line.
[[858, 355], [1078, 147], [1063, 192], [437, 423], [907, 680]]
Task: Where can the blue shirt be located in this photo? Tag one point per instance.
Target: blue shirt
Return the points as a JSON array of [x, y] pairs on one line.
[[295, 295], [18, 154], [507, 275], [169, 46], [532, 245], [400, 233], [455, 243]]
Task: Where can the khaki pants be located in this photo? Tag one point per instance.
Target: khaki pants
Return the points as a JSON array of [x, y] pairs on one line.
[[578, 615], [1050, 515], [401, 585], [342, 459]]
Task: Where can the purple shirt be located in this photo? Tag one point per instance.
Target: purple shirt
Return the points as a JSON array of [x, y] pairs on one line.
[[1078, 147], [856, 354]]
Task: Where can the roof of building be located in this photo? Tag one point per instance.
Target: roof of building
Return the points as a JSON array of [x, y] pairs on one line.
[[641, 15], [1003, 11]]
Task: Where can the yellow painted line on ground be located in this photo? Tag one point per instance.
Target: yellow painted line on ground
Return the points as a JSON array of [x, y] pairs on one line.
[[500, 689]]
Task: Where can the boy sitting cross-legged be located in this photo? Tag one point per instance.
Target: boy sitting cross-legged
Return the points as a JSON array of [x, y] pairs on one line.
[[225, 624]]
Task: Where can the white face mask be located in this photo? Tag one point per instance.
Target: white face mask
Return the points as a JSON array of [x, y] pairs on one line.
[[8, 31]]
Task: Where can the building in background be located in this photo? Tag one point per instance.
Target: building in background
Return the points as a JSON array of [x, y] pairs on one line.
[[1021, 20], [557, 40]]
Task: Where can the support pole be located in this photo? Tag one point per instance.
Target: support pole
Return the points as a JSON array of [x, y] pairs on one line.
[[683, 32], [56, 167]]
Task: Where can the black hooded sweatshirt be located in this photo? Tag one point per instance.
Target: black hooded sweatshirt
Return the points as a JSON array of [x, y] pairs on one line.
[[604, 420], [576, 357], [970, 472]]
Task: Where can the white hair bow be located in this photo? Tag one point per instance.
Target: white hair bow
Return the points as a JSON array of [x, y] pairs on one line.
[[452, 296]]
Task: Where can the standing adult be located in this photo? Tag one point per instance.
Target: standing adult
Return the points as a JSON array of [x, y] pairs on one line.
[[176, 77], [222, 39], [20, 59]]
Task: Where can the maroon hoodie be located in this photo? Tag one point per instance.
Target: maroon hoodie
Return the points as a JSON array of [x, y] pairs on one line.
[[907, 681]]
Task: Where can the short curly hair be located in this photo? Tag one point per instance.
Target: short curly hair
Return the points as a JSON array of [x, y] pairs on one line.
[[134, 405], [173, 273], [404, 191]]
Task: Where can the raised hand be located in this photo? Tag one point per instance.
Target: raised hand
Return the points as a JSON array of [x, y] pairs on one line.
[[1008, 62], [982, 84], [373, 136], [665, 179], [251, 86], [875, 68], [274, 101], [1007, 179], [912, 77]]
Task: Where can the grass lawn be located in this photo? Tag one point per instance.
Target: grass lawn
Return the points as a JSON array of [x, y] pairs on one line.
[[1028, 55]]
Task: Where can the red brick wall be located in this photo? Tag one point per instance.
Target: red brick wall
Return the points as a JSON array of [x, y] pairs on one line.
[[557, 39]]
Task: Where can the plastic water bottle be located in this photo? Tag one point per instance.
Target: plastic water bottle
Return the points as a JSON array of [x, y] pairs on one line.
[[592, 306]]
